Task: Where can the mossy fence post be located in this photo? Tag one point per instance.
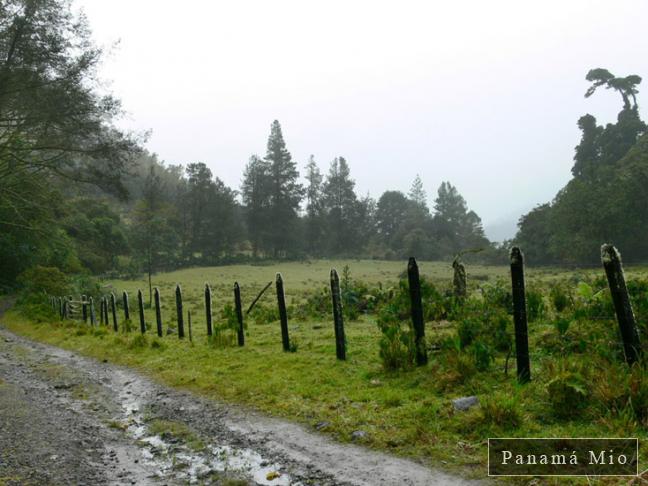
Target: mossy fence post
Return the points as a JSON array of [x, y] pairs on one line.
[[126, 306], [84, 309], [520, 315], [611, 259], [93, 317], [179, 312], [459, 280], [60, 307], [283, 315], [158, 311], [338, 319], [101, 311], [140, 308], [208, 309], [113, 309], [239, 314], [417, 311]]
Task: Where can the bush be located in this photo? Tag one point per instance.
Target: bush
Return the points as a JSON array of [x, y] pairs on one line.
[[482, 355], [501, 411], [397, 348], [567, 394], [560, 298], [44, 280], [535, 304]]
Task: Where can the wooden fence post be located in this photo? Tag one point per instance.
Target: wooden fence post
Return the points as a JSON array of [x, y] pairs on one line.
[[338, 320], [611, 259], [459, 279], [283, 315], [84, 309], [60, 307], [113, 308], [65, 308], [93, 317], [189, 324], [126, 306], [520, 316], [158, 311], [417, 311], [208, 309], [106, 320], [101, 311], [179, 311], [239, 314], [140, 307]]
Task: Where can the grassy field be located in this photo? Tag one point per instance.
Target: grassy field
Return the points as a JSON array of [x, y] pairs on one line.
[[408, 412]]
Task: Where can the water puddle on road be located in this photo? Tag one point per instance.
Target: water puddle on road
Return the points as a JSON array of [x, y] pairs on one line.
[[171, 458]]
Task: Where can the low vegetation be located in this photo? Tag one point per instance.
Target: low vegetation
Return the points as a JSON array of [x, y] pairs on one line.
[[580, 385]]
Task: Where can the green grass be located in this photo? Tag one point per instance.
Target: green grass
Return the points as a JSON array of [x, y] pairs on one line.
[[405, 412]]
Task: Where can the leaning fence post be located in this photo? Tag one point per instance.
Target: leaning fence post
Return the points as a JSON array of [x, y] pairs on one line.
[[520, 316], [126, 307], [93, 317], [179, 312], [113, 308], [84, 309], [338, 320], [140, 307], [158, 311], [417, 311], [208, 309], [611, 259], [239, 313], [283, 315]]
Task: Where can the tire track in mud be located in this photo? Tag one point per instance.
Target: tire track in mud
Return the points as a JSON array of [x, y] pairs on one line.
[[67, 419]]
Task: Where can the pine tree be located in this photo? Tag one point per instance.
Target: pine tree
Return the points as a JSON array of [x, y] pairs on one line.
[[255, 193], [342, 208], [314, 208], [417, 193], [285, 193]]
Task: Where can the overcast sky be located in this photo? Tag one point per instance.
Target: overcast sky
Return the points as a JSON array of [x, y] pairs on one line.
[[485, 94]]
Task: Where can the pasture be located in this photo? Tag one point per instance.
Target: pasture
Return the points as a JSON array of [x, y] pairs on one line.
[[407, 410]]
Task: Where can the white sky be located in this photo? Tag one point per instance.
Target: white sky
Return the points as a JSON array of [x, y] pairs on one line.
[[485, 94]]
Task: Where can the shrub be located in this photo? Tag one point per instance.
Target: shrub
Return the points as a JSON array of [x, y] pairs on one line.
[[501, 411], [39, 280], [560, 298], [567, 394], [397, 348], [535, 304], [482, 355]]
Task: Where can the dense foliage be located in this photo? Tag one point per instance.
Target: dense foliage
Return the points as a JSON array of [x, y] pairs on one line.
[[607, 198]]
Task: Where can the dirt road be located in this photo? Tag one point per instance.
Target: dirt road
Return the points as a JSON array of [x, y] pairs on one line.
[[66, 419]]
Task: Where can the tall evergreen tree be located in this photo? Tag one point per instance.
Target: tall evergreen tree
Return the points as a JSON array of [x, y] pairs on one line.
[[417, 193], [314, 209], [342, 209], [255, 192], [285, 193]]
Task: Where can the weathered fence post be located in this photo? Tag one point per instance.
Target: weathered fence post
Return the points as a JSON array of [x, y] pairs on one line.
[[338, 320], [283, 315], [611, 259], [158, 311], [106, 320], [126, 307], [93, 317], [417, 311], [113, 309], [140, 308], [60, 307], [65, 308], [179, 311], [84, 309], [101, 311], [239, 314], [208, 309], [189, 324], [459, 279], [520, 316]]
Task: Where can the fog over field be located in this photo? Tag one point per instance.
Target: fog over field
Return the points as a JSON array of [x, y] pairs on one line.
[[483, 94]]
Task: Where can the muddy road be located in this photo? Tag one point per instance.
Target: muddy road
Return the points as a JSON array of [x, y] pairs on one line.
[[66, 419]]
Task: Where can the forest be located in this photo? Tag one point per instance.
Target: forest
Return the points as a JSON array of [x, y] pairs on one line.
[[79, 194]]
